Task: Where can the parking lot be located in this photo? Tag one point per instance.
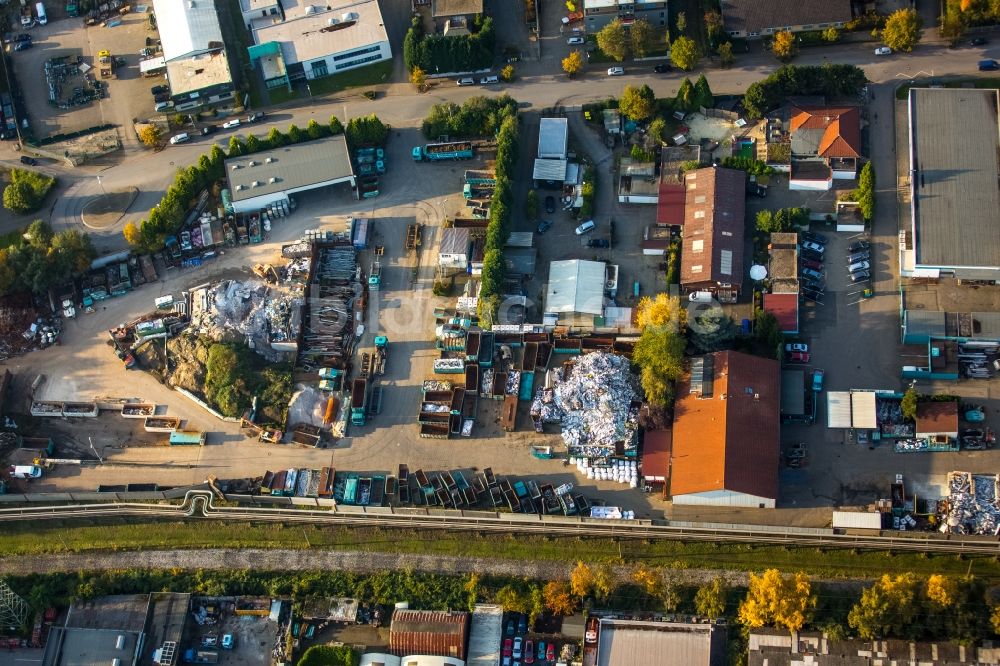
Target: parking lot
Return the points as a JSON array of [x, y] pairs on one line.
[[128, 94]]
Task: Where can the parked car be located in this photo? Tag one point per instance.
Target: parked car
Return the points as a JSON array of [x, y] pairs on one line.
[[163, 106], [490, 80], [988, 65], [809, 254], [616, 71], [813, 245], [814, 296], [544, 226], [798, 357], [858, 245], [208, 129], [466, 81], [586, 227], [510, 627], [858, 266], [228, 641], [529, 652], [662, 69], [156, 90], [860, 276], [30, 161], [817, 380], [550, 652], [808, 272], [180, 138], [796, 347], [541, 650], [22, 46], [599, 242], [508, 647], [756, 190], [861, 255], [550, 204], [522, 625], [883, 50], [517, 648], [506, 661], [161, 97], [575, 40], [813, 285], [256, 117], [21, 37], [700, 297], [230, 124], [814, 237], [978, 41], [811, 263]]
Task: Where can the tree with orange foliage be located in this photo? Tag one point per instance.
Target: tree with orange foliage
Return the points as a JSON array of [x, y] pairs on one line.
[[558, 598]]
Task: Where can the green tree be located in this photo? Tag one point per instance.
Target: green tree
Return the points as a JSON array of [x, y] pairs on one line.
[[537, 604], [236, 147], [713, 24], [767, 332], [336, 127], [710, 599], [640, 37], [315, 130], [39, 235], [657, 129], [612, 40], [831, 35], [637, 102], [682, 22], [329, 655], [493, 270], [703, 93], [776, 600], [531, 205], [952, 26], [711, 330], [512, 600], [685, 100], [253, 145], [726, 58], [783, 45], [411, 43], [295, 134], [889, 607], [573, 63], [276, 138], [72, 251], [684, 53], [903, 29], [659, 353], [18, 198], [908, 405], [866, 190]]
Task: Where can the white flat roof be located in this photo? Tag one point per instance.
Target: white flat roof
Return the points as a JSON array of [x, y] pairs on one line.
[[198, 72], [553, 135], [484, 635], [187, 26], [838, 409], [863, 410], [308, 34], [576, 286], [293, 168]]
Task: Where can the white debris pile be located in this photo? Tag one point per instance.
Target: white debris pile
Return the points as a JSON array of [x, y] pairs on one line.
[[595, 405], [974, 508], [249, 309], [619, 471]]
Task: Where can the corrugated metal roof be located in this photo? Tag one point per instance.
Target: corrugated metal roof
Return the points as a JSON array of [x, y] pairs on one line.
[[484, 636], [549, 170], [520, 260], [838, 409], [187, 27], [293, 168], [635, 643], [576, 286], [454, 241], [416, 632], [553, 135], [520, 239], [863, 410]]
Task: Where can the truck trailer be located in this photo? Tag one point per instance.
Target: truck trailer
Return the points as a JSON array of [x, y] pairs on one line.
[[451, 150]]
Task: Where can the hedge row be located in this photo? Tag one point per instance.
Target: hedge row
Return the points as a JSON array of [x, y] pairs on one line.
[[498, 230], [436, 54], [56, 138]]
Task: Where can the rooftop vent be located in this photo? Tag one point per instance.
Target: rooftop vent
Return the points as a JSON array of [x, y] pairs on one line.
[[255, 183], [251, 163], [272, 179], [310, 9], [332, 21], [235, 167], [350, 16], [268, 160], [239, 187]]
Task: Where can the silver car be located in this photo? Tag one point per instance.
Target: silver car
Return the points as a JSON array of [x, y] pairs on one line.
[[858, 267]]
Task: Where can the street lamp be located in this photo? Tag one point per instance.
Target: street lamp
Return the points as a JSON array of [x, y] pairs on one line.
[[101, 185], [89, 439]]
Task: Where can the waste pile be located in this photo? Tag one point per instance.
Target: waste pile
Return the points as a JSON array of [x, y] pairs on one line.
[[619, 471], [17, 316], [593, 405], [972, 504], [249, 309], [336, 296]]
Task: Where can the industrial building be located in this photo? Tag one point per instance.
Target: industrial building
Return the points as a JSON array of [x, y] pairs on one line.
[[551, 168], [296, 40], [195, 56], [484, 635], [272, 175], [753, 19], [431, 633], [575, 293], [119, 629], [712, 253], [725, 396], [954, 154], [638, 183], [783, 274], [651, 643]]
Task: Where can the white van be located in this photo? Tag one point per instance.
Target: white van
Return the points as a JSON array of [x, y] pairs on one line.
[[163, 106], [40, 11], [489, 80], [26, 471], [180, 138]]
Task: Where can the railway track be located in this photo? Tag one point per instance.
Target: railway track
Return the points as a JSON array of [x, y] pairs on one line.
[[199, 504]]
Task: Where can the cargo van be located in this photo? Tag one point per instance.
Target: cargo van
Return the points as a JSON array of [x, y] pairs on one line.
[[40, 11], [26, 471]]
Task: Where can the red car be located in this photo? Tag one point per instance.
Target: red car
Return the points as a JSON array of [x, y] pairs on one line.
[[550, 653], [529, 652], [508, 647], [798, 357], [811, 263]]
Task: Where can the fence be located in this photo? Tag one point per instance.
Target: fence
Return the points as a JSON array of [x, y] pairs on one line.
[[719, 113]]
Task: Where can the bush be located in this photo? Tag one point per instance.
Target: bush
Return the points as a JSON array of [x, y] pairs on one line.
[[366, 131], [439, 54], [748, 164], [44, 259], [829, 80], [26, 191], [477, 117]]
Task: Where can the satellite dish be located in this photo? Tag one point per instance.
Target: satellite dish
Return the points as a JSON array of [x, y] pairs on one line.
[[758, 272]]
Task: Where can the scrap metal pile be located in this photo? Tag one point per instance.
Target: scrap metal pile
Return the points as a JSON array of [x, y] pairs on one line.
[[973, 504], [593, 405], [336, 301], [250, 309]]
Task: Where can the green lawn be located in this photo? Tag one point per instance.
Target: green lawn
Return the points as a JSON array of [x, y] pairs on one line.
[[279, 95], [369, 75], [52, 537]]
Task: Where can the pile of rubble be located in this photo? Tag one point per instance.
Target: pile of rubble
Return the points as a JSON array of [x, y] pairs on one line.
[[17, 315], [973, 506], [593, 405], [247, 309]]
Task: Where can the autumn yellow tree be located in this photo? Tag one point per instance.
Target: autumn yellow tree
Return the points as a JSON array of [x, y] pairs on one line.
[[995, 620], [558, 598], [773, 599], [888, 607], [941, 591], [150, 135], [132, 235], [573, 63], [710, 599], [512, 600], [418, 78], [662, 310], [604, 583], [783, 45], [648, 579], [581, 580]]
